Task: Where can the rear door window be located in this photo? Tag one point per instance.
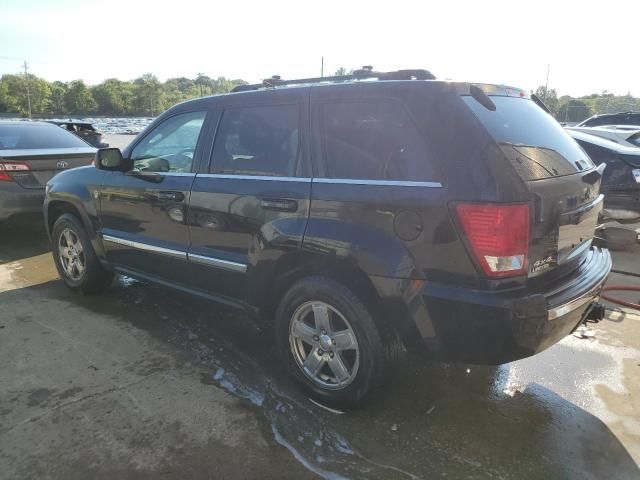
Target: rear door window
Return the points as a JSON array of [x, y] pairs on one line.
[[258, 140], [375, 139], [535, 144]]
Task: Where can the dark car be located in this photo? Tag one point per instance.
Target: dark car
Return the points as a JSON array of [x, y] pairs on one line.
[[354, 217], [30, 154], [621, 118], [621, 180], [85, 130]]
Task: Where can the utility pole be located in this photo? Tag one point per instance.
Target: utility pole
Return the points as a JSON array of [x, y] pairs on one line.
[[546, 85], [26, 76], [322, 66]]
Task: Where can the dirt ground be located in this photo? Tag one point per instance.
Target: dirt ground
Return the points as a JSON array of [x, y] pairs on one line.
[[142, 382]]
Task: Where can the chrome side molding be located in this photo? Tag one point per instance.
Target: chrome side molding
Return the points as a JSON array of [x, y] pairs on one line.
[[146, 247], [182, 255], [217, 262], [337, 181]]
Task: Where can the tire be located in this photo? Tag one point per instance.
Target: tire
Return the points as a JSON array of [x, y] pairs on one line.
[[297, 317], [92, 277]]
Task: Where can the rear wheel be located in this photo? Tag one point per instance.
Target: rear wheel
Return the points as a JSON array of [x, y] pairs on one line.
[[329, 341], [75, 258]]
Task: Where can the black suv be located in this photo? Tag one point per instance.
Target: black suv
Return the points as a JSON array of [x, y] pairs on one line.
[[354, 216]]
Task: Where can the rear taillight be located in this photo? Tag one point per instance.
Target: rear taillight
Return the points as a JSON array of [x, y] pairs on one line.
[[498, 236], [8, 167]]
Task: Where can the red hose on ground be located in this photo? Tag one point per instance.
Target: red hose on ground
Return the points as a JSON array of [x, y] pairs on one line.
[[621, 288]]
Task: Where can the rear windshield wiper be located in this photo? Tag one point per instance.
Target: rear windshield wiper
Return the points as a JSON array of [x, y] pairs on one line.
[[482, 98]]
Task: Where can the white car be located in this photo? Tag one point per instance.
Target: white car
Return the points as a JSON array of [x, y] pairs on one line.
[[627, 135]]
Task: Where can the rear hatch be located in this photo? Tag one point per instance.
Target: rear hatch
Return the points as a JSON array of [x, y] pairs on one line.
[[563, 183], [33, 168]]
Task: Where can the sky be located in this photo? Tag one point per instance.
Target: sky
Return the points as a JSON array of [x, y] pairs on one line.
[[589, 46]]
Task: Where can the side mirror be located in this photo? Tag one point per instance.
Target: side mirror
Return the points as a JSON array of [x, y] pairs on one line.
[[109, 159]]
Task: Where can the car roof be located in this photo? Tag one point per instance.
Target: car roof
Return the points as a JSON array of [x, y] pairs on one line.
[[462, 88], [25, 122]]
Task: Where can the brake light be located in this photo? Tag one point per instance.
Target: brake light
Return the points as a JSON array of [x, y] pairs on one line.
[[8, 167], [498, 236]]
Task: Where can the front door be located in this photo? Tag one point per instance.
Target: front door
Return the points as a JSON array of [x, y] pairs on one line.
[[144, 211], [251, 208]]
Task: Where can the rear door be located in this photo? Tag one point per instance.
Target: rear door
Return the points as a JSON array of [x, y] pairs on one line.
[[561, 178], [251, 206], [143, 212]]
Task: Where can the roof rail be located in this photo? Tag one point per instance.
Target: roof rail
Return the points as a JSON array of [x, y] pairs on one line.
[[360, 74]]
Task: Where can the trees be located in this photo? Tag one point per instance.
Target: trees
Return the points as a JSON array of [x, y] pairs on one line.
[[549, 97], [573, 111], [146, 95], [14, 88], [78, 98], [113, 96]]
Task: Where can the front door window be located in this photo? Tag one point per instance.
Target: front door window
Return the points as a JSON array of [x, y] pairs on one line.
[[170, 147]]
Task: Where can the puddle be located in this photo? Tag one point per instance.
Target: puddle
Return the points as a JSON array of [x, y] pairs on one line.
[[297, 424]]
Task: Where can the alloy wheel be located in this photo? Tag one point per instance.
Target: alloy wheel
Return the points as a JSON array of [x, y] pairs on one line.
[[324, 345]]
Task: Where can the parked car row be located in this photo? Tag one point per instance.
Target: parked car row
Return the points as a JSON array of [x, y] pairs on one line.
[[353, 216]]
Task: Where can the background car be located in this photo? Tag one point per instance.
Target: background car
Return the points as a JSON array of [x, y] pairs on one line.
[[621, 118], [84, 130], [621, 177], [628, 135], [30, 154]]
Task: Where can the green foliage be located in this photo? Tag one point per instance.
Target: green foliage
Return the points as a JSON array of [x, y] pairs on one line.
[[78, 98], [13, 94], [573, 111], [143, 96], [549, 97]]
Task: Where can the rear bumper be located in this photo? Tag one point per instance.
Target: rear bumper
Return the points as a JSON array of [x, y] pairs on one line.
[[17, 200], [472, 326]]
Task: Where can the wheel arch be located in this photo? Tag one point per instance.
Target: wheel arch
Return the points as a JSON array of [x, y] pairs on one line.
[[296, 266], [55, 208]]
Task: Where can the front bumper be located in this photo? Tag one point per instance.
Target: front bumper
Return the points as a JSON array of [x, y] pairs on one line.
[[465, 325], [15, 199]]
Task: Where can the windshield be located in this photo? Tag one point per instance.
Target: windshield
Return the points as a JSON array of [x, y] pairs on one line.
[[32, 136], [535, 144]]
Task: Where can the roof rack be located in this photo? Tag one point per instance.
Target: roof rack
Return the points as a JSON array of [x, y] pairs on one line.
[[365, 72]]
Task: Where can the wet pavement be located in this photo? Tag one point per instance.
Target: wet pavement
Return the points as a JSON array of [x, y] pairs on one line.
[[142, 382]]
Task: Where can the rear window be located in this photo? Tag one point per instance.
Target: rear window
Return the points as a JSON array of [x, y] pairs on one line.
[[535, 144], [33, 136]]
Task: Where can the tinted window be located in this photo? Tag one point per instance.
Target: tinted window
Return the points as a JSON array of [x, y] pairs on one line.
[[535, 144], [34, 136], [170, 146], [260, 140], [373, 139]]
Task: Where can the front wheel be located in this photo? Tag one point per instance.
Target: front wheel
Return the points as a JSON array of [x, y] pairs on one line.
[[329, 341], [75, 259]]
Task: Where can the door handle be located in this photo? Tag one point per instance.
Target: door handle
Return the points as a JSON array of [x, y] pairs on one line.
[[170, 196], [280, 204]]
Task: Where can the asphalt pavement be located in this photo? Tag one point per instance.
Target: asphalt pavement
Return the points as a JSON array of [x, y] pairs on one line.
[[143, 382]]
